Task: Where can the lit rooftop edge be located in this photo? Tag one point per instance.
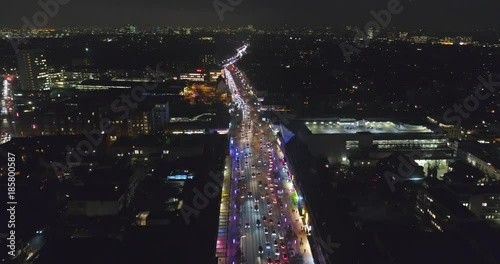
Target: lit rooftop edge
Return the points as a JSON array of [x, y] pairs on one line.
[[355, 126]]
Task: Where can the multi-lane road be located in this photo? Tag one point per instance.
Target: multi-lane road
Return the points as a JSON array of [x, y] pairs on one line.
[[266, 217]]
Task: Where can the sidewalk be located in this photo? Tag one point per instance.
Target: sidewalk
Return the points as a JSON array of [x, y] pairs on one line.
[[299, 247], [296, 224], [222, 245]]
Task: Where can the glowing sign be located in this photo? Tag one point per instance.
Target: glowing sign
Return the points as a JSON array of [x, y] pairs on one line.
[[179, 177], [199, 70]]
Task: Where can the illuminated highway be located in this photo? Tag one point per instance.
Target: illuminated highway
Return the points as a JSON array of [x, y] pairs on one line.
[[240, 52], [261, 188]]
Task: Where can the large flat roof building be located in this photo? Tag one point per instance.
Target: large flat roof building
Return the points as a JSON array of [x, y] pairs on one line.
[[352, 126], [364, 141]]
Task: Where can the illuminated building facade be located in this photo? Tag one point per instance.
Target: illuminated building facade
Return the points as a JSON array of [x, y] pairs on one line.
[[439, 208], [197, 76]]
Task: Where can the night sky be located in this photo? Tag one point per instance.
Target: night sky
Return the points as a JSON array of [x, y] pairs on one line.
[[455, 15]]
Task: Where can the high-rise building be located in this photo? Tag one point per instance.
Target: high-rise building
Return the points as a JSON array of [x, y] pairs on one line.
[[208, 59], [32, 68], [370, 33]]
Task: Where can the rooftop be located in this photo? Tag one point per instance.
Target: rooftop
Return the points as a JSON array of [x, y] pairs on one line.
[[352, 126], [447, 199], [432, 247], [96, 193], [489, 153], [140, 141]]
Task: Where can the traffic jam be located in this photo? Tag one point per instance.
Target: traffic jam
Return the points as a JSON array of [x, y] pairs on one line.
[[261, 185]]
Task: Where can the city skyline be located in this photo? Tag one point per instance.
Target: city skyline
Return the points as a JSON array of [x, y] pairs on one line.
[[446, 15]]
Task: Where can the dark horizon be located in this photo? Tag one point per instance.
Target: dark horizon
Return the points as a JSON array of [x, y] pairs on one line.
[[443, 16]]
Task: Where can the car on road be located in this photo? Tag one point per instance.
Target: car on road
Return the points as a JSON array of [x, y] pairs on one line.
[[247, 225], [253, 175], [276, 243], [249, 194], [256, 208], [276, 252], [278, 223], [41, 230], [266, 231], [264, 218], [283, 245], [258, 222], [269, 261], [292, 252], [268, 245], [285, 257], [270, 212], [273, 233], [261, 250]]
